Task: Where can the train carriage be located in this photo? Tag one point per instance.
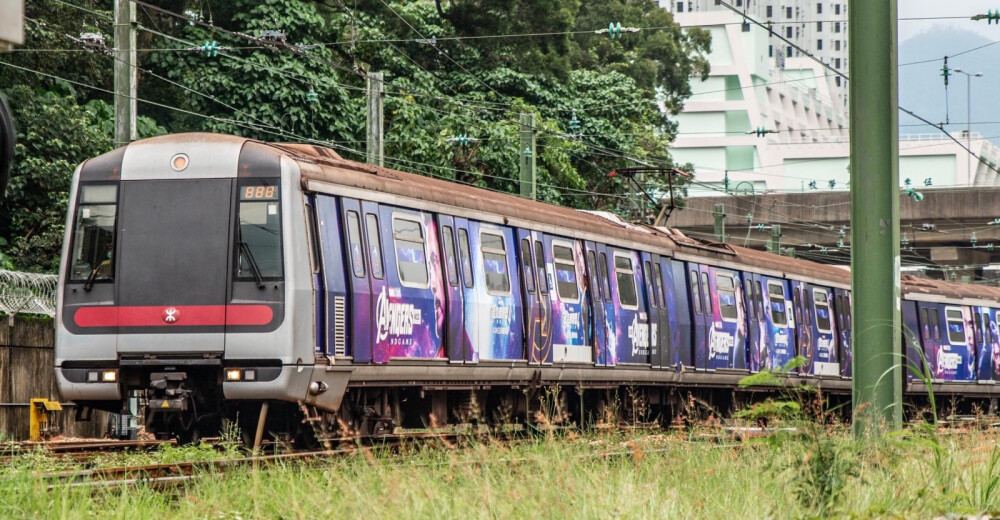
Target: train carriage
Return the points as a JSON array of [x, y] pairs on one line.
[[212, 274]]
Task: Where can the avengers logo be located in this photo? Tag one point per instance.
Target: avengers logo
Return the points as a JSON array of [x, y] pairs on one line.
[[171, 315]]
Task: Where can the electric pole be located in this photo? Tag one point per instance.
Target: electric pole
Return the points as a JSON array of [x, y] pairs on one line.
[[720, 222], [877, 383], [527, 154], [125, 73], [376, 118]]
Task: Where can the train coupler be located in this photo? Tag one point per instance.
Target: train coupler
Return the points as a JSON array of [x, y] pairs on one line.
[[168, 392]]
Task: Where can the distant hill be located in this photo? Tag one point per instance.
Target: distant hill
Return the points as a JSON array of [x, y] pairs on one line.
[[921, 88]]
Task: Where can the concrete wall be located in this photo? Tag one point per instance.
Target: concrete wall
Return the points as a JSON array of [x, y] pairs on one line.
[[26, 358]]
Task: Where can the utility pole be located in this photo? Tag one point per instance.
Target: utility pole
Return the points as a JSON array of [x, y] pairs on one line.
[[376, 118], [877, 383], [720, 222], [125, 73], [528, 156], [774, 244]]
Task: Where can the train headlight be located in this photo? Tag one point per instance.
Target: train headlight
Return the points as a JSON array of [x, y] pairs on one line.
[[234, 374], [109, 376], [179, 162]]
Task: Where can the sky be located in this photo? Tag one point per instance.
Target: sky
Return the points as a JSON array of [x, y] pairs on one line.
[[943, 8]]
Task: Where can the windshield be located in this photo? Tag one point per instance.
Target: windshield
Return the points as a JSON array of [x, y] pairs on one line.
[[260, 230], [92, 256]]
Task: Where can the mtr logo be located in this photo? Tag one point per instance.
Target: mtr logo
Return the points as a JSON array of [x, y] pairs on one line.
[[171, 315]]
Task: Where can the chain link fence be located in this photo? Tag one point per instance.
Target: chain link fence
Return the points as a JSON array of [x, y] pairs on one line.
[[27, 293]]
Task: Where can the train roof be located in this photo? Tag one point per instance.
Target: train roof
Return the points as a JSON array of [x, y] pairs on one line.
[[325, 166]]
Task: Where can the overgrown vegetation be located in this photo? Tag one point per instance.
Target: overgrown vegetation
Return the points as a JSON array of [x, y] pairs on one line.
[[588, 475], [599, 103]]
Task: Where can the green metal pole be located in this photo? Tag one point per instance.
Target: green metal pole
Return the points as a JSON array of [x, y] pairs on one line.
[[774, 244], [875, 217], [528, 156], [720, 222]]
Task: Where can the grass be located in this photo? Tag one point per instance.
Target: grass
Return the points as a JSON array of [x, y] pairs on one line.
[[804, 474]]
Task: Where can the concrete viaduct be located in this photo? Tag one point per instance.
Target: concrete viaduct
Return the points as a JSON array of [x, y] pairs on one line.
[[951, 228]]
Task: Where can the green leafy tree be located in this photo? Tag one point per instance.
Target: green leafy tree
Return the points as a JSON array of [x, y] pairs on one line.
[[55, 134]]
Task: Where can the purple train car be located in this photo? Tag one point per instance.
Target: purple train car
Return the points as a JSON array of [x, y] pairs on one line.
[[224, 279]]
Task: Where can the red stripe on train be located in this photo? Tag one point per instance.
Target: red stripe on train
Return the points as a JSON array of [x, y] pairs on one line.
[[177, 315]]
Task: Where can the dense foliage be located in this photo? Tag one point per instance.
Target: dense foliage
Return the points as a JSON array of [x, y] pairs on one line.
[[452, 68]]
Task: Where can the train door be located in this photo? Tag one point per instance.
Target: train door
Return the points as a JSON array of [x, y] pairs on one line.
[[539, 322], [678, 303], [470, 297], [361, 300], [564, 259], [529, 288], [632, 325], [336, 276], [825, 361], [727, 340], [653, 309], [454, 311], [801, 336], [911, 337], [372, 234], [752, 318], [946, 345], [598, 329], [700, 311], [500, 335], [779, 336], [981, 334], [842, 309], [605, 272], [665, 324]]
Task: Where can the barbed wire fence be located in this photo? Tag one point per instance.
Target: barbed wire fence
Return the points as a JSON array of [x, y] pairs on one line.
[[27, 293]]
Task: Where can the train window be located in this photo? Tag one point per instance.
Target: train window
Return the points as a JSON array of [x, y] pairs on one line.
[[529, 273], [312, 236], [647, 273], [925, 323], [658, 282], [776, 295], [565, 266], [354, 243], [495, 263], [758, 299], [839, 313], [748, 295], [695, 292], [602, 268], [821, 305], [411, 260], [451, 266], [92, 254], [543, 280], [374, 245], [988, 335], [259, 238], [706, 295], [463, 251], [956, 326], [627, 294], [727, 296], [977, 326], [934, 324], [595, 280], [809, 306]]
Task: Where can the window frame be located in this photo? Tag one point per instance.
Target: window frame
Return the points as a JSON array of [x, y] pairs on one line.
[[114, 233], [543, 285], [377, 248], [960, 320], [718, 290], [784, 302], [527, 264], [695, 291], [602, 269], [465, 257], [826, 303], [450, 255], [350, 244], [483, 250], [555, 262], [618, 294], [595, 280], [262, 182], [398, 215]]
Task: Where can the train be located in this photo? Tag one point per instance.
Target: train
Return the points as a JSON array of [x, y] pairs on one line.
[[222, 280]]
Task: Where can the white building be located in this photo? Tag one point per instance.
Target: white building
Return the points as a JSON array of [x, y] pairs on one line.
[[796, 102], [819, 27]]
